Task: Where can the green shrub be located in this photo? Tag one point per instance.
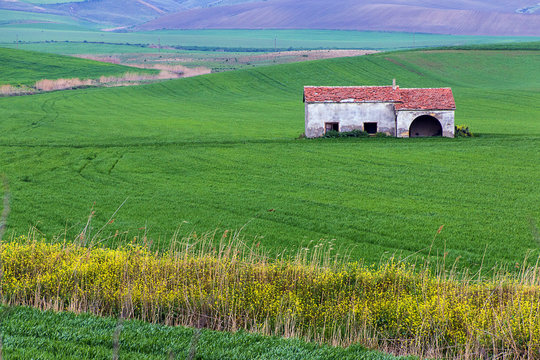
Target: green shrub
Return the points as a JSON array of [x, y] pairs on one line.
[[338, 134], [331, 134], [462, 131], [354, 133]]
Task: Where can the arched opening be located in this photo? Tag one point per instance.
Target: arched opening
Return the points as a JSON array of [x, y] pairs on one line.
[[425, 125]]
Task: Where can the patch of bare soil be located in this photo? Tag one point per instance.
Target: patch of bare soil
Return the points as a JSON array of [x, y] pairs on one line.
[[187, 64], [280, 57], [172, 66], [174, 70], [305, 55], [180, 70]]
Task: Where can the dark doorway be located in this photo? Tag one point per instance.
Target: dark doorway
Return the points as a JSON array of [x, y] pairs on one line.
[[331, 126], [370, 127], [424, 126]]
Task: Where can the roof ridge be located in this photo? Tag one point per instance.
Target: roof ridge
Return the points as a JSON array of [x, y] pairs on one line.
[[437, 88], [366, 86], [347, 87], [375, 86]]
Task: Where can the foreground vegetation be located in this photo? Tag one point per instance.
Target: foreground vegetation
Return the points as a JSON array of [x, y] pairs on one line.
[[31, 334], [394, 307]]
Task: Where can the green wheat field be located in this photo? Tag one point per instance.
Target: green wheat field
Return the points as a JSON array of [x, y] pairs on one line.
[[220, 151], [195, 156]]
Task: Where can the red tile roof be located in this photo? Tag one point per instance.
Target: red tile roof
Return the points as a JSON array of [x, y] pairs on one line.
[[350, 94], [426, 99], [404, 99]]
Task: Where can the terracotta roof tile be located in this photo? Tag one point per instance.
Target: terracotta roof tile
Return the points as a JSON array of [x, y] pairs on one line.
[[350, 94], [426, 99], [404, 99]]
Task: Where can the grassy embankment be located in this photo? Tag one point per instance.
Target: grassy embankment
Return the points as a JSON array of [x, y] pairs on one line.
[[219, 151], [29, 333]]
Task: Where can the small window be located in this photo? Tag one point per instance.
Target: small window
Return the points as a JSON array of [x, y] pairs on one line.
[[331, 126], [370, 127]]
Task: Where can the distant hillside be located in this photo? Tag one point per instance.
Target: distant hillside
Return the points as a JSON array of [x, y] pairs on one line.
[[113, 12], [460, 17], [480, 17]]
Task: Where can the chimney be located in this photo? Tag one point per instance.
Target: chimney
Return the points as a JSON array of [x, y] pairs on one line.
[[394, 87]]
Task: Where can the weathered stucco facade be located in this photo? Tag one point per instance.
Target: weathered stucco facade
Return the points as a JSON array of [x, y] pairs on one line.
[[347, 115], [396, 112]]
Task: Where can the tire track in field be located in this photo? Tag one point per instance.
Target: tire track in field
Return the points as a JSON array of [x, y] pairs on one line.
[[50, 113], [45, 108], [85, 165], [406, 67], [96, 161], [114, 164], [49, 108], [271, 80]]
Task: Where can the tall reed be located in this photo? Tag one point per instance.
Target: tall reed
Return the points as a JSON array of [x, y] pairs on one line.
[[127, 79], [224, 284]]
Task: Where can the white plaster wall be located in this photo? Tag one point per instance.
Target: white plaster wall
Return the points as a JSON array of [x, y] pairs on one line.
[[350, 116], [406, 117]]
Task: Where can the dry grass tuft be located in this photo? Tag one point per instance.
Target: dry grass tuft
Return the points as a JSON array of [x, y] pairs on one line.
[[61, 84], [7, 90], [128, 79], [10, 90]]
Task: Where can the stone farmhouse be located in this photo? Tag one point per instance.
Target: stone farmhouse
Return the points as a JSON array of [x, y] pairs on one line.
[[388, 109]]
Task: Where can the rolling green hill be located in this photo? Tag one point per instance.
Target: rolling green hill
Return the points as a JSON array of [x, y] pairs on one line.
[[219, 151], [27, 67]]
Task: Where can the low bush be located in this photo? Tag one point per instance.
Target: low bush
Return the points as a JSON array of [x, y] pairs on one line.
[[462, 131], [340, 134], [393, 307]]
